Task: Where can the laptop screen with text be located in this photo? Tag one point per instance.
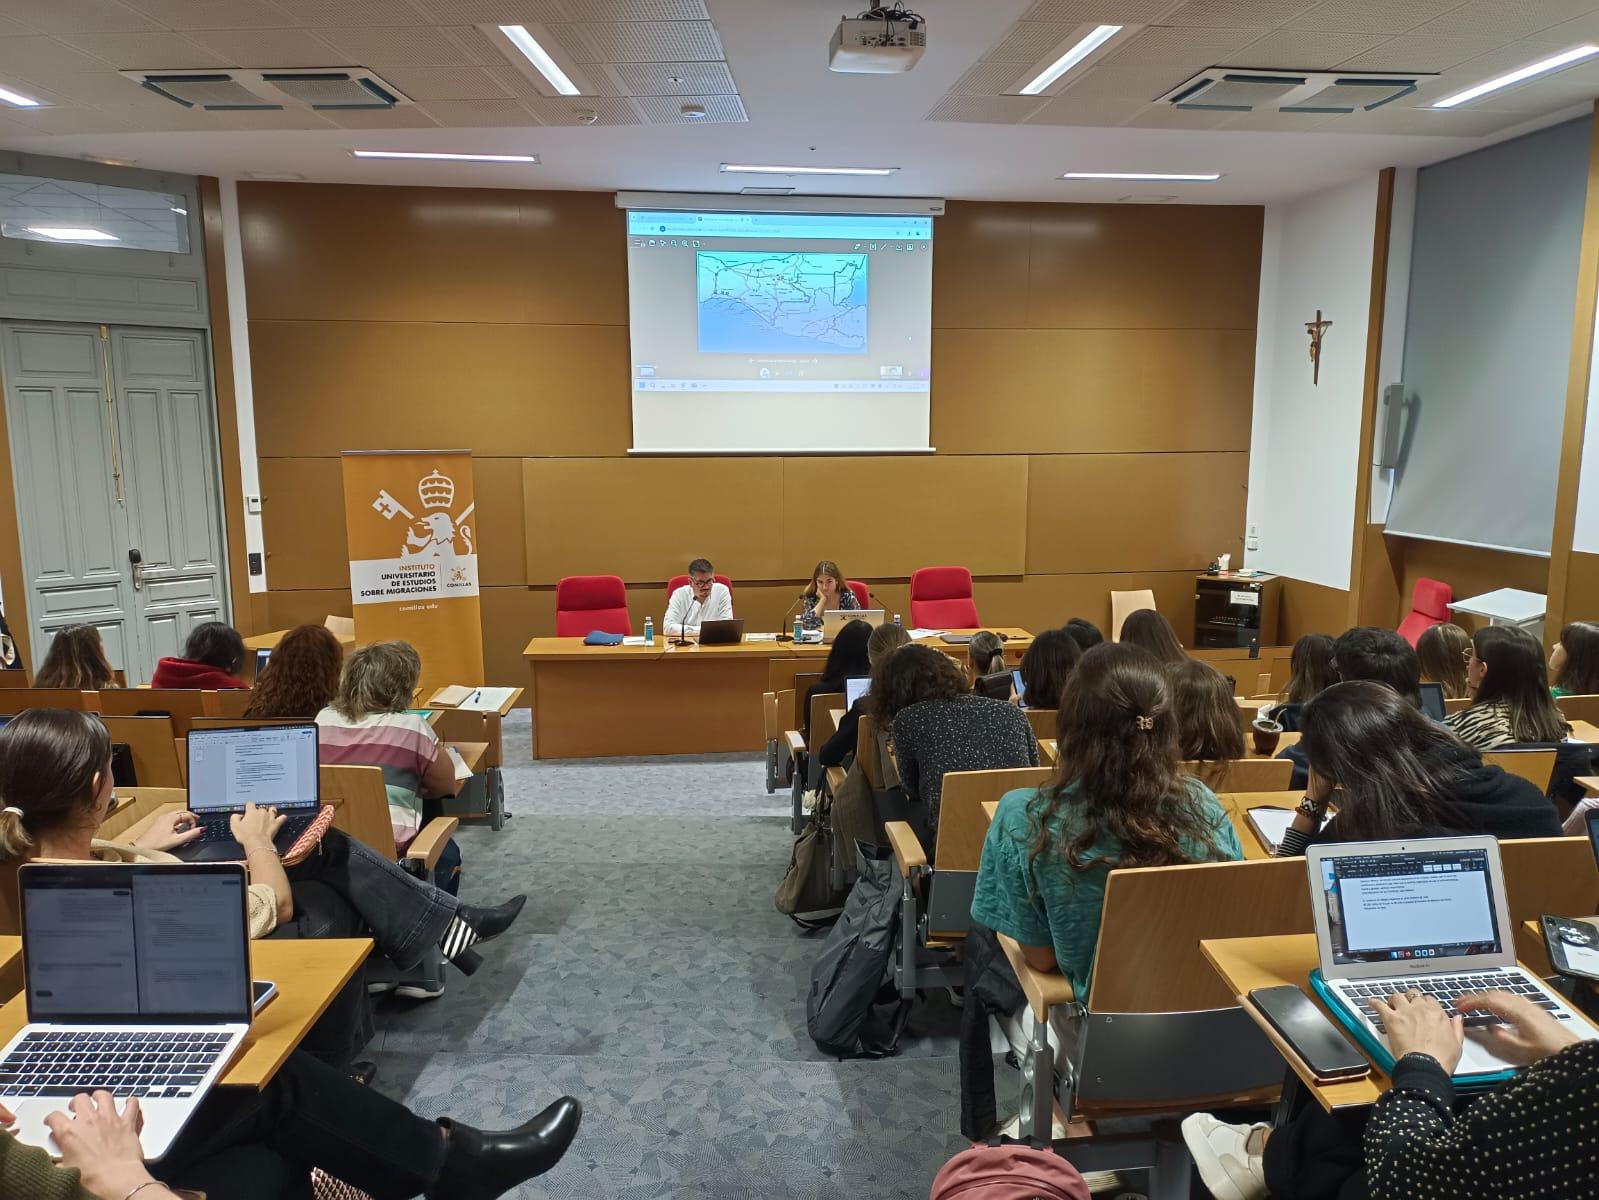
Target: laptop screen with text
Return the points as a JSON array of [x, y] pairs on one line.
[[855, 688], [1419, 904], [274, 765]]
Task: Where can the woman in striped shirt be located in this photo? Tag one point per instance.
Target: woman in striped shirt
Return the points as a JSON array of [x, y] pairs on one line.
[[1509, 686]]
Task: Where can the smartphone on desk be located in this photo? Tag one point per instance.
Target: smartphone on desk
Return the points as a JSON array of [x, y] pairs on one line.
[[1310, 1033], [1573, 946]]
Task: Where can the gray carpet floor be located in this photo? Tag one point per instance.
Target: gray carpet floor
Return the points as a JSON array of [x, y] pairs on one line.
[[650, 977]]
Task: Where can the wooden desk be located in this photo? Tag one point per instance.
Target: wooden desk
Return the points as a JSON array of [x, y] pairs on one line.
[[1585, 731], [309, 974], [603, 701], [1238, 804], [473, 724], [1245, 964], [473, 754]]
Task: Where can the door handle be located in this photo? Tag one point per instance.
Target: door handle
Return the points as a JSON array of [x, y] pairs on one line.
[[136, 562]]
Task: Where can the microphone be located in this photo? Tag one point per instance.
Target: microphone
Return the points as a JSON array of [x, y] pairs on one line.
[[682, 626], [783, 634]]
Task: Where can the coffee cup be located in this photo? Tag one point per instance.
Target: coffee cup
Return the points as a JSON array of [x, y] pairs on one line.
[[1266, 733]]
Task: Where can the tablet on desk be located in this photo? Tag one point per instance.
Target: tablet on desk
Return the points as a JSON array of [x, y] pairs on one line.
[[856, 687]]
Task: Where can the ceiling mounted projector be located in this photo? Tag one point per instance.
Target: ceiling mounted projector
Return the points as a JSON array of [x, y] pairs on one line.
[[881, 41]]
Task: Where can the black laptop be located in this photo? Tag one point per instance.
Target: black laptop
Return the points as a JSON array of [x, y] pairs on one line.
[[272, 766]]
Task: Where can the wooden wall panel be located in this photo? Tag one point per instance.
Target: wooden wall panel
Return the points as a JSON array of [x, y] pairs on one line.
[[645, 518], [351, 253], [1039, 602], [1380, 573], [324, 386], [981, 263], [1582, 589], [1311, 608], [1134, 512], [889, 516], [1125, 390], [302, 523], [501, 522]]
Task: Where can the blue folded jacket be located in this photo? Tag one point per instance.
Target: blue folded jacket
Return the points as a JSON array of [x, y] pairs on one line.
[[600, 638]]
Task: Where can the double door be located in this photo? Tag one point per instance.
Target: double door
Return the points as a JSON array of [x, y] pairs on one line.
[[114, 454]]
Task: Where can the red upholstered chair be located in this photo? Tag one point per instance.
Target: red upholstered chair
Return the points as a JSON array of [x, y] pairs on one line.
[[584, 603], [678, 581], [863, 594], [941, 598], [1429, 606]]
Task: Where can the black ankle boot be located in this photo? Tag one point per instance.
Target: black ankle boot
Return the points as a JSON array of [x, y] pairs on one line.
[[489, 923], [482, 1164]]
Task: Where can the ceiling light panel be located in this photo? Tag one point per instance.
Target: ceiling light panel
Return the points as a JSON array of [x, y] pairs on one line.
[[1533, 70], [1142, 176], [17, 99], [444, 156], [780, 169], [532, 48], [66, 233]]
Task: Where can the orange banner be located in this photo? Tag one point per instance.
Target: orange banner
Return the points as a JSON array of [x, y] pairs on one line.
[[412, 532]]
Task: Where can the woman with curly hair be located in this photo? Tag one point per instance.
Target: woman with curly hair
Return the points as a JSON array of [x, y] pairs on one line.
[[301, 677], [1117, 800]]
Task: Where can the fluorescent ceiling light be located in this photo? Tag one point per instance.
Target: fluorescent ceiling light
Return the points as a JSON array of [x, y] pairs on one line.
[[182, 212], [764, 169], [1096, 39], [1542, 67], [17, 98], [540, 58], [1142, 176], [70, 233], [433, 156]]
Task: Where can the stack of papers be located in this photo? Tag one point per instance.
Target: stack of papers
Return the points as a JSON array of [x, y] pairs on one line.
[[760, 637], [919, 634], [472, 699]]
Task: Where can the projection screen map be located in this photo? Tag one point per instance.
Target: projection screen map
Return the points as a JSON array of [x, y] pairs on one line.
[[781, 303]]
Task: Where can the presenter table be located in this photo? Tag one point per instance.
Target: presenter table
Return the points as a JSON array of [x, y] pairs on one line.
[[606, 701]]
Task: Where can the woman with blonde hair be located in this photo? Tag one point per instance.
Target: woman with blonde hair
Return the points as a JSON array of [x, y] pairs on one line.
[[1442, 651], [828, 591], [76, 660]]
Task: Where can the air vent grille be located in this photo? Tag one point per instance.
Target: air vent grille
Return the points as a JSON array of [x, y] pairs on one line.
[[329, 89], [1239, 89]]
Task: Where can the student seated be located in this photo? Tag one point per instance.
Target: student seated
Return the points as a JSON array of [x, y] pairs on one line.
[[1046, 666], [369, 724], [1442, 650], [986, 669], [1573, 663], [301, 677], [55, 783], [699, 600], [1084, 632], [249, 1144], [212, 657], [1526, 1138], [839, 748], [1116, 800], [76, 659], [1310, 669], [1150, 631], [1399, 774], [1509, 686], [940, 726], [846, 659], [828, 591], [1208, 721]]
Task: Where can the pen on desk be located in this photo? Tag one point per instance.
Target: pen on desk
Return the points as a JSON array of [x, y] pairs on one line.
[[476, 692]]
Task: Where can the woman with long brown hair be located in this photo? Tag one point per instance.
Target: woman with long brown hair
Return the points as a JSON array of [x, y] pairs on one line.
[[1509, 685], [1150, 631], [1442, 651], [76, 659], [1117, 799], [828, 590], [301, 677], [1209, 723]]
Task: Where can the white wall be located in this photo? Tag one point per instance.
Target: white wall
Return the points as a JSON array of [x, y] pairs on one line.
[[1304, 453]]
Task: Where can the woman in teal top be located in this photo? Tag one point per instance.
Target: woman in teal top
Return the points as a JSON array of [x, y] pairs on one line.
[[1117, 800]]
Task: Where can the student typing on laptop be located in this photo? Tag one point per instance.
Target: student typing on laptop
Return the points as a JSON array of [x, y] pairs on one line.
[[55, 781]]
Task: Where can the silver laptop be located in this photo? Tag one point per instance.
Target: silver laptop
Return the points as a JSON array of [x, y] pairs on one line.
[[855, 687], [273, 766], [1428, 915], [137, 981], [834, 619]]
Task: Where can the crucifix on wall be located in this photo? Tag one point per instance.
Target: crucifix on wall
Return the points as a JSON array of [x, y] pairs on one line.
[[1316, 329]]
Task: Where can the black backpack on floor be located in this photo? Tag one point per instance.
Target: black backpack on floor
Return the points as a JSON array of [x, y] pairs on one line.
[[849, 975]]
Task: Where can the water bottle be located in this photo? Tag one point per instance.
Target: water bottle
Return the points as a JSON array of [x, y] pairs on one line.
[[897, 625], [649, 631], [799, 627]]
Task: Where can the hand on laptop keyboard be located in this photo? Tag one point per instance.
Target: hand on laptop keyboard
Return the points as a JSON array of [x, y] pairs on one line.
[[1417, 1024], [1525, 1028], [170, 830]]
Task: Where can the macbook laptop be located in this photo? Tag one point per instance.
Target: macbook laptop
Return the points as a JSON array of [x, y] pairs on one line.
[[834, 619], [1428, 915], [1432, 701], [262, 657], [854, 688], [722, 633], [272, 766], [137, 981]]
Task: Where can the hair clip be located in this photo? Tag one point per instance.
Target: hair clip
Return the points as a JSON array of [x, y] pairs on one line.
[[14, 811], [1145, 722]]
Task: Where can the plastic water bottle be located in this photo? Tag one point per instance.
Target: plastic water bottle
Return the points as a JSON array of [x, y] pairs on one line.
[[649, 631], [897, 625], [799, 627]]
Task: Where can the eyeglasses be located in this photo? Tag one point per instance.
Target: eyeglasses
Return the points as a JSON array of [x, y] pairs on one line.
[[702, 583], [1468, 654]]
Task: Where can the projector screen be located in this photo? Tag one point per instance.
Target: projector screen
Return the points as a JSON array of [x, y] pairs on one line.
[[757, 332]]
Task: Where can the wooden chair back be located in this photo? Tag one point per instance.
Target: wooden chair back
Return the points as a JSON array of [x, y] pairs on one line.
[[151, 743], [1124, 603], [1148, 958], [1535, 766], [802, 684], [360, 805], [1243, 774], [229, 703], [339, 627], [821, 726], [866, 751], [183, 705], [962, 823], [1263, 684], [1547, 875], [16, 700], [1452, 705], [1043, 721], [13, 679], [1576, 708]]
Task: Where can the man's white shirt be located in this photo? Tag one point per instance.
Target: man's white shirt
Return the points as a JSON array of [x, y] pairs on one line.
[[685, 614]]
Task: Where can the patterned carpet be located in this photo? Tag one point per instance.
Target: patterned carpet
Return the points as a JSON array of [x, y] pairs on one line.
[[650, 977]]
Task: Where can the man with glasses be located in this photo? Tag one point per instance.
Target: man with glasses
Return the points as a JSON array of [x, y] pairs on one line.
[[699, 600]]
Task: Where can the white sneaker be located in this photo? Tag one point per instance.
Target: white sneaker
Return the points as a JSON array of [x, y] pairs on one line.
[[1225, 1162], [416, 991]]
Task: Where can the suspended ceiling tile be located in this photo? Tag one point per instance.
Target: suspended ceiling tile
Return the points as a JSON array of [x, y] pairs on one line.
[[988, 79], [468, 114], [354, 13], [87, 16], [1084, 110], [1452, 123], [407, 116], [287, 118], [97, 90], [478, 46], [1305, 49], [61, 121], [674, 79], [1272, 121], [1237, 13], [569, 110], [985, 110], [447, 83], [1029, 41], [269, 47], [652, 41], [1372, 16], [1164, 116], [1187, 50], [637, 10], [494, 12], [1145, 84], [667, 110], [1113, 12], [147, 51], [1505, 21], [214, 14], [43, 57], [400, 47], [1416, 52]]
